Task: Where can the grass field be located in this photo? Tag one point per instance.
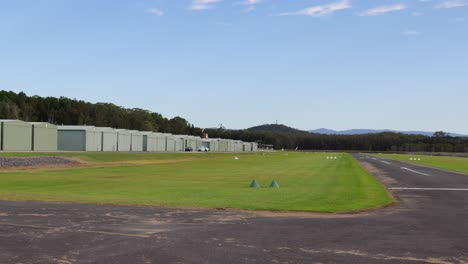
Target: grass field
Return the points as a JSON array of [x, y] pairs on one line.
[[457, 164], [308, 181]]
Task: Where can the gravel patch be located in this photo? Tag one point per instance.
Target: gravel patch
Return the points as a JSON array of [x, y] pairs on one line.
[[10, 162]]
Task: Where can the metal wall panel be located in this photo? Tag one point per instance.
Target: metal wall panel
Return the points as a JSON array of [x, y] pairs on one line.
[[149, 141], [193, 142], [179, 144], [93, 140], [222, 145], [45, 137], [137, 141], [160, 142], [239, 146], [198, 142], [254, 147], [230, 146], [215, 145], [124, 140], [16, 135], [247, 147], [108, 139], [170, 143]]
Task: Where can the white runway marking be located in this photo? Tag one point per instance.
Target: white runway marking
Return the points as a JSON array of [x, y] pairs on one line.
[[428, 189], [404, 168], [386, 162]]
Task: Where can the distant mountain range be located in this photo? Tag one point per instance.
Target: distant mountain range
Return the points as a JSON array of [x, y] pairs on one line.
[[374, 131], [286, 129]]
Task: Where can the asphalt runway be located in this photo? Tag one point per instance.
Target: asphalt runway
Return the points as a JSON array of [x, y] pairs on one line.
[[428, 225]]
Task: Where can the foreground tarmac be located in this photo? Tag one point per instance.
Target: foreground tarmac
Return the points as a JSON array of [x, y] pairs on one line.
[[428, 225]]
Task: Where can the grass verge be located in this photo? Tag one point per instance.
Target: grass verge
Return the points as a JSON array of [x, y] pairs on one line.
[[456, 164], [308, 182]]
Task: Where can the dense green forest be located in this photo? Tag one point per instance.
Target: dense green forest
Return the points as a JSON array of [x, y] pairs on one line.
[[65, 111], [68, 111]]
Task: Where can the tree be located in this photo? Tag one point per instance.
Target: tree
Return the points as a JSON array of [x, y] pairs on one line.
[[440, 134]]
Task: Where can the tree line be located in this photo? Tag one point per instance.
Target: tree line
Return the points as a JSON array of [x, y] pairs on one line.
[[66, 111], [387, 141]]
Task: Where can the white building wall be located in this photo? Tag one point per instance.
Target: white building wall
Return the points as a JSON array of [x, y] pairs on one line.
[[137, 141], [170, 143], [160, 142], [124, 140], [108, 138]]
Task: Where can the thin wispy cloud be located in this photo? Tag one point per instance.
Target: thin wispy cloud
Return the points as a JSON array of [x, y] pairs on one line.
[[203, 4], [155, 11], [452, 4], [410, 33], [251, 4], [383, 9], [320, 10]]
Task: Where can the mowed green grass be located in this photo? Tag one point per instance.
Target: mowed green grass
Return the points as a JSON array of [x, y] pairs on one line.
[[456, 164], [308, 182], [115, 157]]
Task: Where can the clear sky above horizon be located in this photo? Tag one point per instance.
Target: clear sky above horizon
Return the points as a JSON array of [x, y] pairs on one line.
[[337, 64]]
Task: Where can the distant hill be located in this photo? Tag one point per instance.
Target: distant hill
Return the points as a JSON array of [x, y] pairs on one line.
[[374, 131], [276, 128], [286, 129]]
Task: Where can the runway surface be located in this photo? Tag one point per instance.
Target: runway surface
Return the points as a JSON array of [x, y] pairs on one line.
[[428, 225]]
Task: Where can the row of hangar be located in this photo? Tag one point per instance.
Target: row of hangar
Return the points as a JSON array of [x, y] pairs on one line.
[[16, 135]]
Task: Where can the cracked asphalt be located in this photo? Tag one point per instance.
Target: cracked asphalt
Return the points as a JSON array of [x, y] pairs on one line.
[[425, 226]]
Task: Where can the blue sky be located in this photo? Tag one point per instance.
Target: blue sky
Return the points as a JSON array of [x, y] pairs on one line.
[[306, 63]]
